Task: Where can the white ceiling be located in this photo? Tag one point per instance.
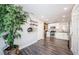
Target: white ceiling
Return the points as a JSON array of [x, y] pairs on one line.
[[50, 12]]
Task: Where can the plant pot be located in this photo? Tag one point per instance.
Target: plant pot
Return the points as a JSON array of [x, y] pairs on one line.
[[12, 50]]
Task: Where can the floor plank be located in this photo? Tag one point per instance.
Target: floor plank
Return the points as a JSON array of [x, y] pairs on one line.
[[48, 47]]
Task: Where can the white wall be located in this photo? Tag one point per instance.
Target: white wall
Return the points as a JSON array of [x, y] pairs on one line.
[[29, 38], [40, 30], [26, 37]]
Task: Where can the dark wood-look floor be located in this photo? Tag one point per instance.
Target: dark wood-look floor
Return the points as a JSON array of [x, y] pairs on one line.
[[48, 47]]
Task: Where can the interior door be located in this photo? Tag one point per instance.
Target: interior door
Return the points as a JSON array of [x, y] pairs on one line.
[[74, 35], [78, 34]]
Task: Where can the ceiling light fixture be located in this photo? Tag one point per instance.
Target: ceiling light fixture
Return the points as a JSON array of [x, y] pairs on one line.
[[42, 16], [63, 16], [65, 8], [47, 19]]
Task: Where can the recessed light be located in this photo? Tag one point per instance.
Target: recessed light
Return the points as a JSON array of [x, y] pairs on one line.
[[63, 16], [47, 19], [42, 16], [65, 8]]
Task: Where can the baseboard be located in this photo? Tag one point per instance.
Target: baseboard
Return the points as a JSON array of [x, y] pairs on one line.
[[27, 45]]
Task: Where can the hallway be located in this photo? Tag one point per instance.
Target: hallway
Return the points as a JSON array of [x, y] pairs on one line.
[[46, 21], [43, 24], [48, 47]]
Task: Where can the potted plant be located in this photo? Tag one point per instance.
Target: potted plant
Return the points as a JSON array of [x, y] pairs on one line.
[[11, 19]]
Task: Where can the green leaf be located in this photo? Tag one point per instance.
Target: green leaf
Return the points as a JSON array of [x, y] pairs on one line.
[[11, 19]]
